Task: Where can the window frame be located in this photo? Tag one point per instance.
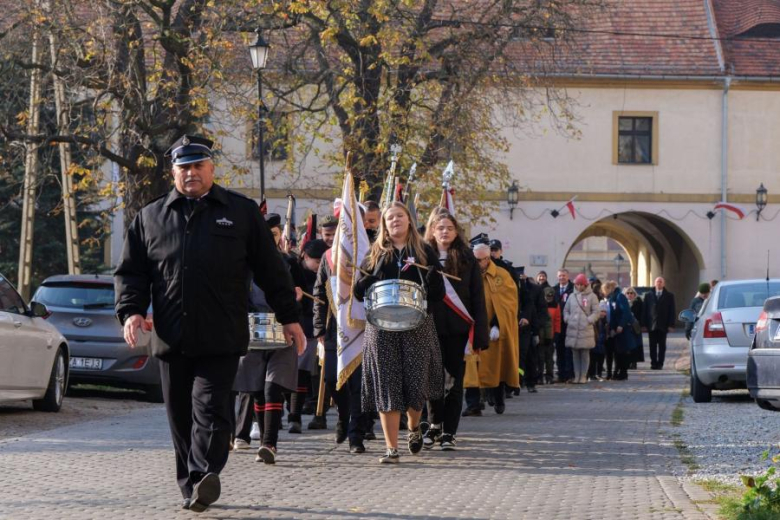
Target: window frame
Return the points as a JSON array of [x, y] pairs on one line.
[[654, 131]]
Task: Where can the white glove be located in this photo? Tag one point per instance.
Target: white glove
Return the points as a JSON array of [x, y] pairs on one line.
[[494, 333], [321, 348]]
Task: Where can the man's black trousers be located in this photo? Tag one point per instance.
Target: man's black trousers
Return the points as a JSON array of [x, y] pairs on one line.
[[657, 348], [198, 400]]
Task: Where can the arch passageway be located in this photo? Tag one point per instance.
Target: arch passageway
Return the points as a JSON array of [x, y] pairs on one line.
[[655, 247]]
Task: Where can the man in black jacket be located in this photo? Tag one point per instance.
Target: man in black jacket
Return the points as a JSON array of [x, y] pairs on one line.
[[660, 316], [191, 253], [533, 318], [563, 355]]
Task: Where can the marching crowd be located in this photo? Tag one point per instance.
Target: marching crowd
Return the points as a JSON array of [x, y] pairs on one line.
[[505, 332], [473, 327]]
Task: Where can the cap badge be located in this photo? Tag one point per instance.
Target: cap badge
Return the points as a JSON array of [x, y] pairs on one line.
[[185, 141], [223, 222]]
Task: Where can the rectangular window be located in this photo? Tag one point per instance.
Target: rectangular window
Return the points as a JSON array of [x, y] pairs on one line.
[[275, 137], [635, 138]]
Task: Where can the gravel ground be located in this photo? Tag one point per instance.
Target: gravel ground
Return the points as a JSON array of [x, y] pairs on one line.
[[81, 404], [727, 436]]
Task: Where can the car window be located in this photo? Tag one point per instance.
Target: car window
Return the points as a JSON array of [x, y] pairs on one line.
[[74, 294], [10, 301], [746, 294]]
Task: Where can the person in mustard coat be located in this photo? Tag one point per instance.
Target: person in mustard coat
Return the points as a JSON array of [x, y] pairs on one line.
[[496, 367]]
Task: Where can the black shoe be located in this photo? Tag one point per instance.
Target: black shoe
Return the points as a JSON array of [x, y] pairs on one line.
[[550, 380], [295, 427], [266, 454], [516, 391], [341, 432], [357, 447], [532, 390], [632, 366], [471, 412], [205, 493], [490, 402], [185, 504], [431, 437], [370, 436], [499, 408], [309, 408], [447, 442], [318, 423], [415, 441]]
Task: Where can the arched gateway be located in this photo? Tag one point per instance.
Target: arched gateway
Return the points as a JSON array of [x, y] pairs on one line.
[[655, 247]]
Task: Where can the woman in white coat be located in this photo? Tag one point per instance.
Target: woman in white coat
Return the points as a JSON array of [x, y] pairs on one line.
[[580, 313]]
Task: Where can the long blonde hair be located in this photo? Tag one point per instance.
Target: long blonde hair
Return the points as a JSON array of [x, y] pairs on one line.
[[383, 246]]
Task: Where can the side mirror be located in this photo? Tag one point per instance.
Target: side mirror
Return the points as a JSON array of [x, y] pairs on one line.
[[39, 310], [688, 316]]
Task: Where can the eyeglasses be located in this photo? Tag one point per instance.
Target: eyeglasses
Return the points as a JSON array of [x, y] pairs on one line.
[[631, 292]]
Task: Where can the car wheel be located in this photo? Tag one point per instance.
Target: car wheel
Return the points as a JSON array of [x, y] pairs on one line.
[[700, 392], [55, 392], [766, 405], [154, 394]]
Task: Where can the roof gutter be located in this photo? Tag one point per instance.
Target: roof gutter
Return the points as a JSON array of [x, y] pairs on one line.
[[666, 77]]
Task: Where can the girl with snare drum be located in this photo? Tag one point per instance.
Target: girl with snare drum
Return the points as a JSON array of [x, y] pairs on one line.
[[401, 369]]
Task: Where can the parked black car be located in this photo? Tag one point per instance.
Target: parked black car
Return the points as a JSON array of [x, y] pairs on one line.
[[82, 308], [763, 367]]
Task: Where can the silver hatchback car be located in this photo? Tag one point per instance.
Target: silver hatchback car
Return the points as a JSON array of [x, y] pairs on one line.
[[722, 334], [82, 308]]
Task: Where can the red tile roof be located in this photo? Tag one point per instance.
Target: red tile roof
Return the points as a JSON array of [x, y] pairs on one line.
[[744, 55]]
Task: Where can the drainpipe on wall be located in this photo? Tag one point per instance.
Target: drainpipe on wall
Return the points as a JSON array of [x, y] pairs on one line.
[[724, 172]]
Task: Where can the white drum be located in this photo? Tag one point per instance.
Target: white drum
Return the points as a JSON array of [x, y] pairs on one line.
[[265, 333], [396, 305]]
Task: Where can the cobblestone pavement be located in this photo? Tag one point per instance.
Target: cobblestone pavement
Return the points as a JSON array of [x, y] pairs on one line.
[[81, 404], [594, 451]]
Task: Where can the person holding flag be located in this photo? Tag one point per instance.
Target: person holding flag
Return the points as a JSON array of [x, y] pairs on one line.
[[461, 323], [401, 370], [339, 319]]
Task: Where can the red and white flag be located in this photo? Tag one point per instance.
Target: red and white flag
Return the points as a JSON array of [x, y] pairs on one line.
[[454, 302], [739, 211], [571, 208], [447, 199]]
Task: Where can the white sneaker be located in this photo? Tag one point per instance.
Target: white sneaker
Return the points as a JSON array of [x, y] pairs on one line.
[[255, 433], [240, 444]]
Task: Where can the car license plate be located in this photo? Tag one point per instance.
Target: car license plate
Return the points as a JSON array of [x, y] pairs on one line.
[[751, 329], [86, 363], [777, 335]]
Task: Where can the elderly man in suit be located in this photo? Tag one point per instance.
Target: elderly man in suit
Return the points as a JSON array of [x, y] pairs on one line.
[[659, 319]]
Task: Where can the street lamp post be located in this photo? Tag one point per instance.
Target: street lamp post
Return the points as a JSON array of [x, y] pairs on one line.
[[259, 54], [618, 262], [761, 193], [512, 196]]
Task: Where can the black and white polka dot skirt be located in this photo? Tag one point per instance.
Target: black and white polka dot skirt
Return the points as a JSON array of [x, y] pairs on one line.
[[401, 370]]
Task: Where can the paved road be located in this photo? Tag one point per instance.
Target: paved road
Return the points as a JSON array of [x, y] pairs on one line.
[[596, 451]]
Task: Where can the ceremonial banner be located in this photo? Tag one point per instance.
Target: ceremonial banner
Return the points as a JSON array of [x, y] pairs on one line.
[[350, 247]]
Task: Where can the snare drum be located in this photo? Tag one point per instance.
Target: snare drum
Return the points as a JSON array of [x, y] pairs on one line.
[[395, 305], [265, 333]]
